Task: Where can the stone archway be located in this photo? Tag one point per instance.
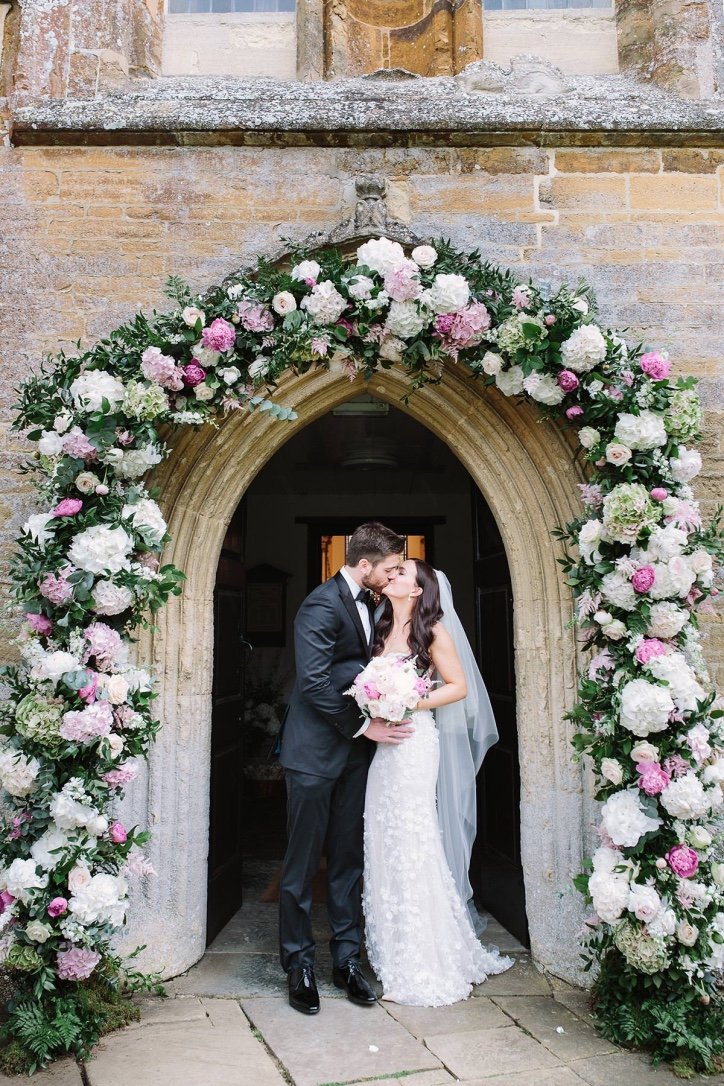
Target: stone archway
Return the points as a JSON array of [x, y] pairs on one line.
[[524, 469]]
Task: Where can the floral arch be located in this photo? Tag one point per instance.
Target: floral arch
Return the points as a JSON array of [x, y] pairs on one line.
[[79, 718]]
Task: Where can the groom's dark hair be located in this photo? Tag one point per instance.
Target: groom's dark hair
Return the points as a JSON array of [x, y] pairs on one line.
[[374, 542]]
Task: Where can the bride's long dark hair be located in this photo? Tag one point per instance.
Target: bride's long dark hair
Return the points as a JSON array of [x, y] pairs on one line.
[[426, 612]]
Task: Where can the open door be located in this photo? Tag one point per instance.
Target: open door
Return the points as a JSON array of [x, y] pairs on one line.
[[496, 870], [231, 653]]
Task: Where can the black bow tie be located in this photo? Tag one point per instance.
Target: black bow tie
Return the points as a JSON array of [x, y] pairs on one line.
[[363, 596]]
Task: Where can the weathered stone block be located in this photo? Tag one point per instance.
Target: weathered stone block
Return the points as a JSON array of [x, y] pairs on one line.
[[578, 193], [601, 160], [687, 193]]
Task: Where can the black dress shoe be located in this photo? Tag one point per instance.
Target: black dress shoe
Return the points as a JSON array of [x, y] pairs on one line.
[[303, 994], [350, 977]]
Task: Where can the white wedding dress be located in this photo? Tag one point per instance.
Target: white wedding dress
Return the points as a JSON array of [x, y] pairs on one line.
[[420, 941]]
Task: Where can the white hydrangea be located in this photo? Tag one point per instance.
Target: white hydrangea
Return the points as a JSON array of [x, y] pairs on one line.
[[610, 894], [673, 578], [664, 543], [101, 901], [306, 269], [685, 797], [543, 388], [110, 599], [69, 813], [380, 255], [617, 589], [510, 381], [584, 349], [21, 878], [666, 620], [624, 820], [53, 665], [325, 304], [101, 549], [686, 466], [448, 293], [47, 850], [40, 528], [147, 519], [643, 431], [644, 902], [683, 686], [645, 707], [405, 320], [18, 772], [91, 388]]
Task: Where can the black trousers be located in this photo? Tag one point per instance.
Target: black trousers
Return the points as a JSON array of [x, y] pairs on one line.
[[321, 810]]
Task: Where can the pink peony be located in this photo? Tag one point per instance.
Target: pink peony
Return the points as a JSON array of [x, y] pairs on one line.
[[68, 507], [80, 726], [659, 493], [568, 381], [255, 317], [683, 861], [75, 443], [40, 624], [161, 369], [55, 587], [6, 901], [104, 643], [77, 963], [655, 366], [220, 335], [371, 691], [118, 833], [444, 323], [643, 579], [57, 906], [193, 374], [652, 779], [125, 773], [574, 412], [649, 648]]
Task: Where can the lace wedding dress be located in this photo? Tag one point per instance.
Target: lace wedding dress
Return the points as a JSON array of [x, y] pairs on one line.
[[420, 941]]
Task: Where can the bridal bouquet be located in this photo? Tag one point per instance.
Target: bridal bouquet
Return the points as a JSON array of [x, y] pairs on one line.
[[389, 687]]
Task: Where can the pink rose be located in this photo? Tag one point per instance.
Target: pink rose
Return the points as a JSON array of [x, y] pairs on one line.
[[193, 374], [68, 507], [649, 648], [371, 691], [659, 493], [550, 319], [683, 861], [652, 779], [220, 335], [568, 381], [574, 412], [57, 906], [40, 624], [118, 833], [643, 579], [77, 963], [655, 366]]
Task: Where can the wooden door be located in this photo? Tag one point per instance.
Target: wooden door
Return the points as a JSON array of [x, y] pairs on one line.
[[496, 869], [230, 660]]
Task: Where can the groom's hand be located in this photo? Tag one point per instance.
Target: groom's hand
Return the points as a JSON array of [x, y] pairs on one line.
[[379, 732]]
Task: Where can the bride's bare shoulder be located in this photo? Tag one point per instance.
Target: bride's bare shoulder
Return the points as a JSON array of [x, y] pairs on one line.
[[440, 636]]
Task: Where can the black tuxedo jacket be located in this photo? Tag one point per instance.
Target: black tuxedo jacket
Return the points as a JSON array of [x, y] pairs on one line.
[[331, 649]]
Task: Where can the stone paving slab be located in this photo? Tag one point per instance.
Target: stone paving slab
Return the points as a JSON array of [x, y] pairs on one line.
[[334, 1046], [496, 935], [220, 1049], [543, 1017], [577, 1001], [472, 1014], [490, 1052], [631, 1069], [558, 1076], [162, 1012], [63, 1073], [422, 1078], [522, 979]]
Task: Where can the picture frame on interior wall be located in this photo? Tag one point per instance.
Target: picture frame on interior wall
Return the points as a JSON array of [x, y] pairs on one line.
[[266, 606]]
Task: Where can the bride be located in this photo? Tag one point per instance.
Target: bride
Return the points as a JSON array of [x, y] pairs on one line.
[[420, 922]]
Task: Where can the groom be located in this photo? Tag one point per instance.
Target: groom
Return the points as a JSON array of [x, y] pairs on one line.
[[326, 751]]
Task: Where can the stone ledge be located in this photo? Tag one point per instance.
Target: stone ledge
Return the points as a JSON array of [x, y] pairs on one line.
[[209, 111]]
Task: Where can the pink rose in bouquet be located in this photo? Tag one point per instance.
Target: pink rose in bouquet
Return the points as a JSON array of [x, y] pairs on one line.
[[389, 687]]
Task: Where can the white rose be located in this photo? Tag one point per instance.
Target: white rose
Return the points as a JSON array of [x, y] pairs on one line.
[[614, 631], [404, 320], [204, 393], [510, 381], [603, 618], [38, 931], [284, 302], [612, 770], [40, 527], [91, 388], [699, 837], [644, 902], [686, 933], [686, 466], [110, 599], [147, 519], [424, 255], [700, 561], [192, 314], [643, 431], [448, 293], [589, 538], [645, 752], [543, 388], [50, 443], [492, 363], [78, 877], [101, 549], [306, 269], [581, 305], [645, 707], [588, 437], [116, 743], [380, 255], [617, 454], [584, 349], [116, 689], [86, 482], [62, 421]]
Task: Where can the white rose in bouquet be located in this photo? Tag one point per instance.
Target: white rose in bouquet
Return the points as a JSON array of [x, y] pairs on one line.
[[284, 302], [424, 256], [588, 436], [644, 902], [589, 538], [91, 388], [492, 363], [612, 770], [645, 752], [645, 707]]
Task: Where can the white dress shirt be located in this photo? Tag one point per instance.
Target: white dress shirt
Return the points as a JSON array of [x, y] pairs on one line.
[[364, 614]]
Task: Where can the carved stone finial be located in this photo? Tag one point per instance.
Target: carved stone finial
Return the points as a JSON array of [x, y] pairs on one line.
[[370, 212], [529, 75]]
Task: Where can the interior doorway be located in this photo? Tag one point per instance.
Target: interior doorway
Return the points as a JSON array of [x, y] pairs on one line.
[[364, 460]]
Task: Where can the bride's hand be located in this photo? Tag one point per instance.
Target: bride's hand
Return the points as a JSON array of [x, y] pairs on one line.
[[379, 732]]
